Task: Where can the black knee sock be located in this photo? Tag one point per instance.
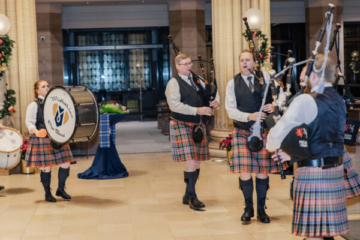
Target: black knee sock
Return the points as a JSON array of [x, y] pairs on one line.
[[262, 185], [63, 175], [247, 188], [45, 178]]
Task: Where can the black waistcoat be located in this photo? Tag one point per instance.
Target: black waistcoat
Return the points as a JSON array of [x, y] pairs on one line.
[[326, 132], [40, 115], [246, 101], [191, 97]]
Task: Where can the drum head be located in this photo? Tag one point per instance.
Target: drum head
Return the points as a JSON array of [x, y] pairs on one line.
[[10, 140], [59, 115]]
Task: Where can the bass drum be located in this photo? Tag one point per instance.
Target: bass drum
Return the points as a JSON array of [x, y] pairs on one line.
[[10, 146], [71, 114]]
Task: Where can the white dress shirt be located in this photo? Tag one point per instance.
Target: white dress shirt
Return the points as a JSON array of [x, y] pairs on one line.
[[31, 113], [230, 98], [173, 96], [302, 110]]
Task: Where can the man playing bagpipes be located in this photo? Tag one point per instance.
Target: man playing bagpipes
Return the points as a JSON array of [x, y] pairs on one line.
[[189, 113], [244, 95], [312, 132]]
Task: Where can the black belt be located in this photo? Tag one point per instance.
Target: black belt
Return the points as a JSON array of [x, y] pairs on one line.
[[324, 163], [241, 126]]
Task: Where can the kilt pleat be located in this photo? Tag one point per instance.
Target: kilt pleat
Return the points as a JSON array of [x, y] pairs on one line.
[[319, 202], [183, 147], [40, 153], [352, 180], [242, 160]]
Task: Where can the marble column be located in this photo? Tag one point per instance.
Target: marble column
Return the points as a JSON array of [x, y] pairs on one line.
[[187, 27], [23, 70], [315, 18], [228, 43], [50, 43]]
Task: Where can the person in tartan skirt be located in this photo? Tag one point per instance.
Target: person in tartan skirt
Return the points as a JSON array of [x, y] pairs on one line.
[[1, 128], [319, 188], [243, 101], [352, 180], [188, 112], [40, 153]]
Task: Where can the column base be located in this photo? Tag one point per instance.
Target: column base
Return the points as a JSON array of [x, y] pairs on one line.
[[217, 135]]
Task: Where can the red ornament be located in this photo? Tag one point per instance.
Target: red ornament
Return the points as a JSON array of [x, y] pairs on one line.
[[261, 56], [254, 34], [0, 55], [1, 42]]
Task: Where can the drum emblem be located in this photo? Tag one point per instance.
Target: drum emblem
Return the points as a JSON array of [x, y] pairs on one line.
[[61, 116]]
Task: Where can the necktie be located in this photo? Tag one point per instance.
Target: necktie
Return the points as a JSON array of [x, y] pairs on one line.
[[192, 83], [251, 85]]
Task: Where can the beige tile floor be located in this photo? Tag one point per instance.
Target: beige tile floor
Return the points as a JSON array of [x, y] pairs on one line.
[[146, 205]]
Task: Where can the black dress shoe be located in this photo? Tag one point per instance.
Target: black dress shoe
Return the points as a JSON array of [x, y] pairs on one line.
[[63, 194], [247, 215], [49, 198], [195, 203], [262, 216], [329, 238], [186, 200], [2, 188]]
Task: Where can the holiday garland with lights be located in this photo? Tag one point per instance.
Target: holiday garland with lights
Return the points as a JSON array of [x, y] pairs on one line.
[[262, 51], [9, 104], [6, 45]]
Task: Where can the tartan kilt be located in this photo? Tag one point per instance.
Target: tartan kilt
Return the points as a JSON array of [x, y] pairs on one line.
[[40, 153], [352, 180], [183, 147], [319, 202], [242, 160]]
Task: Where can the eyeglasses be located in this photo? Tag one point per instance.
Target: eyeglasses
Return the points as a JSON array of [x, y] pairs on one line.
[[187, 64]]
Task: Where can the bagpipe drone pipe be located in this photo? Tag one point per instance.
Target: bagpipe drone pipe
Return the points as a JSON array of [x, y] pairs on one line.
[[209, 93]]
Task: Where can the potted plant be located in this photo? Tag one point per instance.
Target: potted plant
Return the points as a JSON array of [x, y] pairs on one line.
[[226, 144], [24, 169]]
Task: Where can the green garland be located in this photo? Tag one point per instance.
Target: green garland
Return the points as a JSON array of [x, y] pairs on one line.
[[263, 51], [6, 45], [9, 104]]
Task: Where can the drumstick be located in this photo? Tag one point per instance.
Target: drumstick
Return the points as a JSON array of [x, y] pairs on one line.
[[42, 133]]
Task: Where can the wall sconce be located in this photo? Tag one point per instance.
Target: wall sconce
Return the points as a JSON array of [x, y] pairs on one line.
[[255, 18], [4, 25]]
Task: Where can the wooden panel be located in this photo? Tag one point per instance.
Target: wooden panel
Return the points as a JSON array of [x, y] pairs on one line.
[[287, 12], [115, 16], [351, 11]]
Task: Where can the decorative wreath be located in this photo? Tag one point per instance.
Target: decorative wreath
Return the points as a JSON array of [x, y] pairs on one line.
[[263, 51], [6, 45], [9, 104]]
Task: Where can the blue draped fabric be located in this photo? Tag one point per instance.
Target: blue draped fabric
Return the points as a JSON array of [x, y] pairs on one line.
[[107, 164]]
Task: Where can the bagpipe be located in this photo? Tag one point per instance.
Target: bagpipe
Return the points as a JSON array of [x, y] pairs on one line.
[[340, 75], [254, 140], [209, 93]]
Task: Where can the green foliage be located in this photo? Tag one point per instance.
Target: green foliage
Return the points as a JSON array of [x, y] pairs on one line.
[[9, 104], [6, 46], [263, 51]]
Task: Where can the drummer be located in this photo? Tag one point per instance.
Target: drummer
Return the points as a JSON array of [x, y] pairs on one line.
[[1, 128], [40, 153]]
